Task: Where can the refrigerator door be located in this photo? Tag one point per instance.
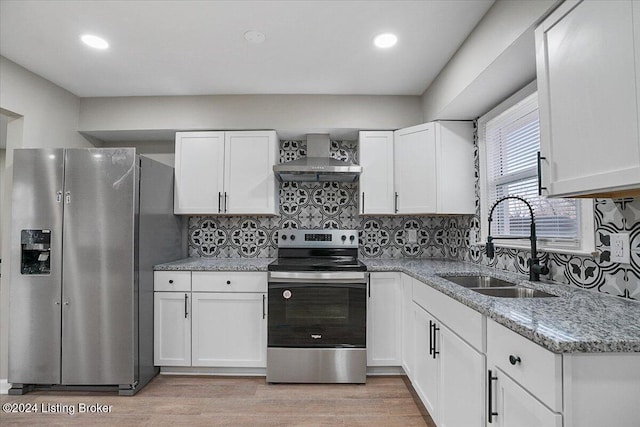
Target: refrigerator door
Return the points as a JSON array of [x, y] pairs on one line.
[[36, 257], [99, 293]]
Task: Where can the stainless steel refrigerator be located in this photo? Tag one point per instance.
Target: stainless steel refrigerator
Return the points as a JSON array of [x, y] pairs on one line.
[[87, 227]]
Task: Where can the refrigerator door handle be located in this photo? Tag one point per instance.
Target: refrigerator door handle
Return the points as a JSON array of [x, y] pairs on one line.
[[58, 196], [67, 197]]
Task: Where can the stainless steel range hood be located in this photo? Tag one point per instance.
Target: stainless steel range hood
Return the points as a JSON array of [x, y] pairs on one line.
[[317, 166]]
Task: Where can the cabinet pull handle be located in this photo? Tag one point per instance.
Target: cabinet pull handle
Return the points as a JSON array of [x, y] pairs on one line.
[[363, 202], [540, 187], [435, 328], [186, 305], [514, 360], [491, 413], [264, 306], [219, 202], [226, 205], [395, 203]]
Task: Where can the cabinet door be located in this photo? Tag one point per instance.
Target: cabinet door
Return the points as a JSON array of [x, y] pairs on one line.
[[199, 172], [249, 183], [517, 408], [462, 382], [415, 169], [229, 330], [375, 153], [408, 335], [456, 181], [171, 329], [383, 326], [587, 88], [426, 370]]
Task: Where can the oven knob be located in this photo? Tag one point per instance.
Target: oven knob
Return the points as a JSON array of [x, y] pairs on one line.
[[284, 237], [352, 237], [344, 237], [292, 237]]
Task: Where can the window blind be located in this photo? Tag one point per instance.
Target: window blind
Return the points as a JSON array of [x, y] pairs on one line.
[[512, 141]]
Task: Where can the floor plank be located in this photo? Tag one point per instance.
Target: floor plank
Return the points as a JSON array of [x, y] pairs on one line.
[[233, 401]]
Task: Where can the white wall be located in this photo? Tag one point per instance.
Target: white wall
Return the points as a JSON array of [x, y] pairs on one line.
[[161, 151], [291, 115], [42, 115], [497, 59]]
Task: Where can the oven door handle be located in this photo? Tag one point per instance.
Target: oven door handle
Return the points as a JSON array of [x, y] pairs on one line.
[[342, 284]]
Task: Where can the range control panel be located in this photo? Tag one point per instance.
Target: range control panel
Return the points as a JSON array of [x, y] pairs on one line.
[[305, 238]]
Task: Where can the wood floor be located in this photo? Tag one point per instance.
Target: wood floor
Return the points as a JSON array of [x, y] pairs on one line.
[[231, 401]]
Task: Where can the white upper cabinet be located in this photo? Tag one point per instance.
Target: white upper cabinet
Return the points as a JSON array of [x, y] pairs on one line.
[[250, 186], [588, 88], [226, 173], [199, 172], [434, 169], [375, 153], [415, 169]]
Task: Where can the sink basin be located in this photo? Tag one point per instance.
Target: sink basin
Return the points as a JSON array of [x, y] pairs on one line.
[[514, 292], [478, 281]]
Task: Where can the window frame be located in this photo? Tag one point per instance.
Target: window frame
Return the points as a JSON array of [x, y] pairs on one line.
[[586, 240]]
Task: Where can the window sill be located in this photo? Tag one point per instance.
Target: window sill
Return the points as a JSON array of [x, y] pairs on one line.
[[542, 248]]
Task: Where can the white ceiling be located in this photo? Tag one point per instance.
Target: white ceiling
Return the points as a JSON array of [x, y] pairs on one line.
[[197, 47]]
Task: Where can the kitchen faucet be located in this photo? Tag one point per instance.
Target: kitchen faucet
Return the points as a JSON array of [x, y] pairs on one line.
[[535, 269]]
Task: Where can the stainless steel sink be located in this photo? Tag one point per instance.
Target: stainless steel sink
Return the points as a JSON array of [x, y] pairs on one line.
[[514, 292], [493, 287], [479, 281]]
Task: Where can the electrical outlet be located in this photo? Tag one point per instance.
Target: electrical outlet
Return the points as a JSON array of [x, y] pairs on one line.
[[620, 248], [412, 236]]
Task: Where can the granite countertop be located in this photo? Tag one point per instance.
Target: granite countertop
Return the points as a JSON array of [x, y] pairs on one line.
[[216, 264], [575, 321]]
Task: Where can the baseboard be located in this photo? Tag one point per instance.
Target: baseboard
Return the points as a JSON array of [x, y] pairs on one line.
[[385, 370], [201, 370], [4, 387]]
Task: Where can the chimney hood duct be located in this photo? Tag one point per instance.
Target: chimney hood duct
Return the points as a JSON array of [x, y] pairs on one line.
[[317, 166]]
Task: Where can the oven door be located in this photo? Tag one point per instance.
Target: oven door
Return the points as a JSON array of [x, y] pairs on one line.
[[317, 310]]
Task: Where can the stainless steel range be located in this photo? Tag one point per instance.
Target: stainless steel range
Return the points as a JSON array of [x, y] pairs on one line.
[[317, 296]]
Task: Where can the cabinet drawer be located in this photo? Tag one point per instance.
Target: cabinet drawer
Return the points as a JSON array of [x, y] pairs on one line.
[[538, 370], [224, 281], [464, 321], [172, 281]]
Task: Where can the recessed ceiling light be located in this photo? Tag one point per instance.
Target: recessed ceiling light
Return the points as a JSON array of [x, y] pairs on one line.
[[94, 41], [385, 40], [254, 37]]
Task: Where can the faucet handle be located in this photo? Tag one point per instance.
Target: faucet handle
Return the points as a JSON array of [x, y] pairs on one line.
[[490, 249]]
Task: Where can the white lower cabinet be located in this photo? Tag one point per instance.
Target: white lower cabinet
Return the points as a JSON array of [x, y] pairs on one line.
[[172, 329], [425, 373], [229, 330], [448, 374], [461, 381], [515, 407], [384, 321], [218, 321]]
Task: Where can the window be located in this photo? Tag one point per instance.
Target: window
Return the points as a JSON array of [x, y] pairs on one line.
[[509, 140]]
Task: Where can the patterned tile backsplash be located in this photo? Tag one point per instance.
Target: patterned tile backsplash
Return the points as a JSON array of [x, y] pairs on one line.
[[335, 205]]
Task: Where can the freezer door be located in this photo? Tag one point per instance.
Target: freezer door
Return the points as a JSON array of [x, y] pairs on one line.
[[98, 315], [36, 267]]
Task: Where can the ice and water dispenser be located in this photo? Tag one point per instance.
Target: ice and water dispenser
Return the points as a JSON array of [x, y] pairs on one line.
[[35, 252]]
